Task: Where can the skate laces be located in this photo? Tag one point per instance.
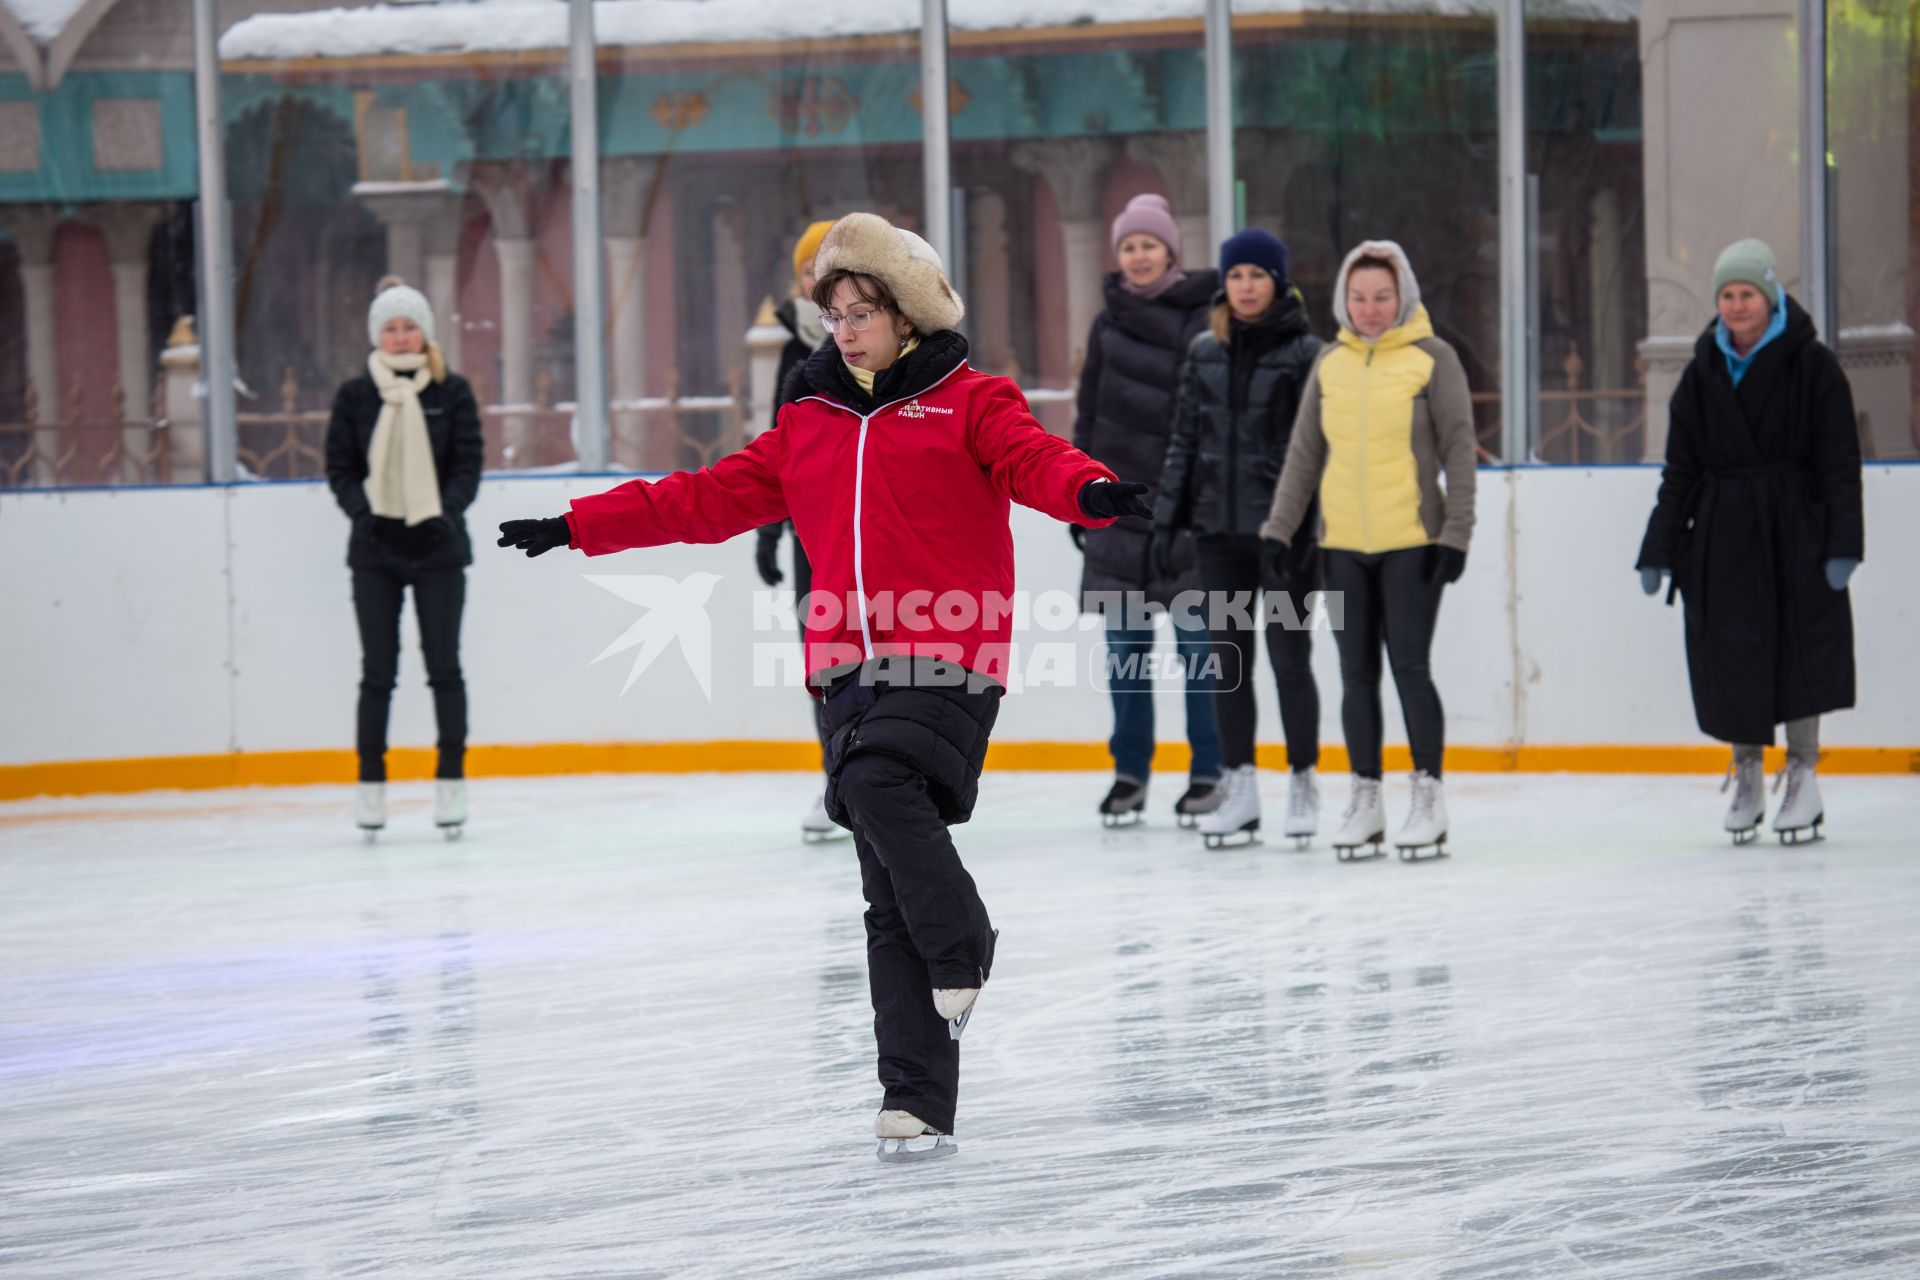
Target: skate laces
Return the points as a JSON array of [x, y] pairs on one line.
[[1359, 798], [1422, 798], [1300, 796]]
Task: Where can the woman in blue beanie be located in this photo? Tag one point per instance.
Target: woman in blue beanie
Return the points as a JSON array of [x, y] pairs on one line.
[[1235, 414], [1758, 523]]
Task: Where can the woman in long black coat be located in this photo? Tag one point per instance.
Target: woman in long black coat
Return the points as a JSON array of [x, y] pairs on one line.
[[1759, 523], [1126, 406]]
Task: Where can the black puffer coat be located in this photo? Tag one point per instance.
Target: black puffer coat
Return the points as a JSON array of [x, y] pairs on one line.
[[1128, 388], [459, 450], [1234, 419], [1761, 489]]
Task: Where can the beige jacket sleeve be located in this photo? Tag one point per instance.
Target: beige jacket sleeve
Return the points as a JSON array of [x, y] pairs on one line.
[[1306, 463], [1451, 402]]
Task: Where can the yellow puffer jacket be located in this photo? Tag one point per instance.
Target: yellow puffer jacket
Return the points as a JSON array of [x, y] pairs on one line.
[[1378, 421]]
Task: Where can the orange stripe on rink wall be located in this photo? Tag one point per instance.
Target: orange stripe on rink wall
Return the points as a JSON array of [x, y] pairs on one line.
[[407, 764]]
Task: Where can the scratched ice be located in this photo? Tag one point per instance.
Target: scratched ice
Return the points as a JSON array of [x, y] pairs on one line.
[[621, 1031]]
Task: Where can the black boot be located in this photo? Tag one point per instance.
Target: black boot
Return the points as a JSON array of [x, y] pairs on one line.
[[1126, 804]]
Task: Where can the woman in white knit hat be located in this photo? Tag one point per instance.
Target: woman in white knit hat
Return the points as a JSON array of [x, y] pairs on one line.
[[404, 453], [897, 463]]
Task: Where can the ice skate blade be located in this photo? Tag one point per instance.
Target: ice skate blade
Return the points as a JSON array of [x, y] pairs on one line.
[[1187, 821], [370, 835], [815, 835], [1301, 842], [1809, 834], [1412, 852], [1375, 847], [1130, 818], [956, 1027], [902, 1150], [1244, 838], [1747, 836]]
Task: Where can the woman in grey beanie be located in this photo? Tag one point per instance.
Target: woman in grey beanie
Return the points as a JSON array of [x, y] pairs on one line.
[[1758, 527], [404, 452]]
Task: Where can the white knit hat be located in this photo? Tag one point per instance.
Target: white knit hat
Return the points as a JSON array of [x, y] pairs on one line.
[[396, 301], [868, 244]]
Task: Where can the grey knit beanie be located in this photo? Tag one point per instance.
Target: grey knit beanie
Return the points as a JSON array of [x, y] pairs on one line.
[[1748, 262]]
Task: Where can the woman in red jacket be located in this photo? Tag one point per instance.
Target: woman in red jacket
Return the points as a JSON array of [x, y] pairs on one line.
[[896, 463]]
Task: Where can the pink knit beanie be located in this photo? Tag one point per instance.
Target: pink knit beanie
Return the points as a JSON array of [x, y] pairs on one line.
[[1149, 214]]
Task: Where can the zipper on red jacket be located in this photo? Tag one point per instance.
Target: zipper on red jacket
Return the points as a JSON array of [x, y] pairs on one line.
[[859, 492]]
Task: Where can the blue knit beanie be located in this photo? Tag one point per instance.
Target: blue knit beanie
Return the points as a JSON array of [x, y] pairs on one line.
[[1260, 248]]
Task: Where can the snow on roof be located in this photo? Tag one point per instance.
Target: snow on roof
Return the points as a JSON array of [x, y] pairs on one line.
[[511, 26], [43, 20]]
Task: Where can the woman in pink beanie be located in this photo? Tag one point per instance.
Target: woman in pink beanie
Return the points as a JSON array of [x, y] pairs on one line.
[[1127, 390]]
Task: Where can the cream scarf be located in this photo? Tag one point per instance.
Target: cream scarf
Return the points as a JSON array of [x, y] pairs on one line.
[[401, 482]]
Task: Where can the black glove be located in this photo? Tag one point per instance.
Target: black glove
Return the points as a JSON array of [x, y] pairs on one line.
[[1078, 532], [1276, 563], [1111, 499], [766, 555], [535, 537], [1160, 552], [1445, 564]]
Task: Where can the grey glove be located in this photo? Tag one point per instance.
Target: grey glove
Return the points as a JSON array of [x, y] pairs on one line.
[[1650, 580]]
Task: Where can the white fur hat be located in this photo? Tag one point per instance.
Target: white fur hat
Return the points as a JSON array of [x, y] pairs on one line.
[[867, 243], [395, 301]]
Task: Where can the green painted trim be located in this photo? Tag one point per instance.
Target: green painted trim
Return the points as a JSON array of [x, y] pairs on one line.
[[67, 175]]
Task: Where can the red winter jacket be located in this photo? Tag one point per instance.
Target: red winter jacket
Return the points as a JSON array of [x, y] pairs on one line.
[[902, 512]]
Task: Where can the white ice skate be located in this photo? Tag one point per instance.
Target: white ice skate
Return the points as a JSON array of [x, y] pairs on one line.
[[1303, 806], [817, 827], [1426, 825], [1364, 823], [907, 1139], [1125, 804], [450, 806], [955, 1004], [1800, 814], [370, 808], [1749, 803], [1201, 797], [1238, 814]]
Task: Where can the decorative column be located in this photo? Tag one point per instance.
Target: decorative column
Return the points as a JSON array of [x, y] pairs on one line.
[[507, 189], [1722, 109], [626, 183], [422, 220], [990, 309], [765, 341], [1073, 168], [33, 233], [1607, 363], [128, 228], [1181, 159]]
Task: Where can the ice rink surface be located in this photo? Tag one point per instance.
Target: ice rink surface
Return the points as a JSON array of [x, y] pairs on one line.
[[621, 1030]]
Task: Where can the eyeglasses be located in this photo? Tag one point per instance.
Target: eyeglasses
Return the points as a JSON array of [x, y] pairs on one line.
[[854, 320]]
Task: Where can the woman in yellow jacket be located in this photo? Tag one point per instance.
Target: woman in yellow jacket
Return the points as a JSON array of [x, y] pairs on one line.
[[1384, 414]]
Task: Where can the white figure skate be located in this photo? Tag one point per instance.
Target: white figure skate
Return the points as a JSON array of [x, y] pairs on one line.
[[370, 809], [450, 806], [1426, 825], [1364, 823], [1303, 806], [1239, 813], [907, 1139], [1749, 803], [1800, 814], [817, 827]]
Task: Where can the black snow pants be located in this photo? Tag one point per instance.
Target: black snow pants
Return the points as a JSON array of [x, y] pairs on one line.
[[439, 596], [906, 740]]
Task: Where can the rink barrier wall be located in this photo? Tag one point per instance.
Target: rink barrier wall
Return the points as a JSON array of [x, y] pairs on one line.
[[203, 636], [416, 764]]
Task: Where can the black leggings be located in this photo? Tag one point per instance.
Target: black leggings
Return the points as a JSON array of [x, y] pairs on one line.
[[802, 585], [438, 597], [1229, 566], [1387, 597]]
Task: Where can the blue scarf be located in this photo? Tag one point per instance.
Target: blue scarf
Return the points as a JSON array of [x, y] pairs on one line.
[[1737, 365]]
